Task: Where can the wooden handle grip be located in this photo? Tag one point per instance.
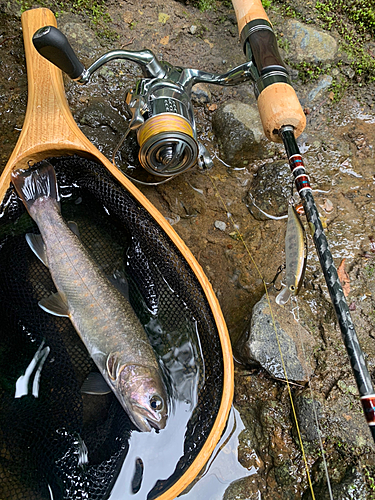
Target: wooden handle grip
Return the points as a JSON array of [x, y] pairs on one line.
[[278, 105], [248, 10], [49, 128], [47, 111]]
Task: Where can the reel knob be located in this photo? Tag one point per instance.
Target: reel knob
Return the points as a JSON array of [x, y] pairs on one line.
[[167, 145]]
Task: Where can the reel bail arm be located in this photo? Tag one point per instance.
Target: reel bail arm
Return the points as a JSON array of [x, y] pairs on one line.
[[160, 103]]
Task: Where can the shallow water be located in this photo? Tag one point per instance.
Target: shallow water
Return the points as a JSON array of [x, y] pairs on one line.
[[223, 468], [158, 454]]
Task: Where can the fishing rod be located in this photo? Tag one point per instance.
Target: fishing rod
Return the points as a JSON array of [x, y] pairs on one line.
[[283, 121]]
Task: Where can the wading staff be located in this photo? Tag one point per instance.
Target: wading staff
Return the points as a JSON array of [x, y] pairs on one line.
[[283, 120]]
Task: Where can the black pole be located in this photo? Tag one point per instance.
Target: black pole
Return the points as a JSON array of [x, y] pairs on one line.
[[357, 361]]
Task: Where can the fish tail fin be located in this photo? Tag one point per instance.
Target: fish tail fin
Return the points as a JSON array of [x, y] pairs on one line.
[[32, 184]]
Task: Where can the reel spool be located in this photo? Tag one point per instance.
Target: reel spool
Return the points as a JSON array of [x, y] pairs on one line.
[[167, 145]]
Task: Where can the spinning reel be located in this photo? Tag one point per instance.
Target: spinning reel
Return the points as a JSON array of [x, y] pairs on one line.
[[160, 103]]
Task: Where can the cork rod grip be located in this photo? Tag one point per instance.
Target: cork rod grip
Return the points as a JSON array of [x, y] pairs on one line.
[[278, 103], [278, 106], [248, 10]]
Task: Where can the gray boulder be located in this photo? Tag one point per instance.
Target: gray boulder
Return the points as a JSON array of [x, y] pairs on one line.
[[260, 344], [308, 44], [239, 131]]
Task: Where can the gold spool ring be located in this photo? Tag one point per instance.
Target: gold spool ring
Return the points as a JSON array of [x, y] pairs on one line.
[[167, 145]]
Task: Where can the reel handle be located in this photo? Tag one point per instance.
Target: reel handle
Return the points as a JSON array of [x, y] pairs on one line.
[[278, 103], [55, 47]]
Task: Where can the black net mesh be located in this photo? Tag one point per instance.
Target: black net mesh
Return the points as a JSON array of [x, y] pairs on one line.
[[44, 439]]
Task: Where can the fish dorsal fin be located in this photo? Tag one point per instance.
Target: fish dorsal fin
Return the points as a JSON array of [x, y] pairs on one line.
[[36, 243], [74, 228], [55, 304], [95, 384]]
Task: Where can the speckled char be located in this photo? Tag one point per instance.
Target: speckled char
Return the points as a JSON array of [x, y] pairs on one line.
[[101, 315]]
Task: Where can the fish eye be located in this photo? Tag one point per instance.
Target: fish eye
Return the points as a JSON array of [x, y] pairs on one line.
[[156, 402]]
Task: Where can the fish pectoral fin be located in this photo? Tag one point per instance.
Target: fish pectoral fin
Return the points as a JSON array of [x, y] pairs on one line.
[[74, 228], [36, 243], [113, 364], [95, 384], [55, 304]]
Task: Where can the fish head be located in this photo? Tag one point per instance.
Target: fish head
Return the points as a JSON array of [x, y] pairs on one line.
[[142, 393]]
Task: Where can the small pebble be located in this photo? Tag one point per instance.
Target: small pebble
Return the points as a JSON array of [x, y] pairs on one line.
[[220, 225], [193, 29]]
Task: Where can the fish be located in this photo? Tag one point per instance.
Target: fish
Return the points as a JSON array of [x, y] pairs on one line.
[[296, 256], [102, 316]]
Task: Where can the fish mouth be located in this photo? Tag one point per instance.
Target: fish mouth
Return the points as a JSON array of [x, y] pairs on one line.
[[146, 421]]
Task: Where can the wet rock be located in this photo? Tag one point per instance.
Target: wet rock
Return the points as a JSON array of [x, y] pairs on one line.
[[352, 487], [239, 130], [260, 344], [324, 82], [99, 113], [81, 37], [306, 416], [102, 125], [201, 94], [267, 195], [308, 44], [242, 489]]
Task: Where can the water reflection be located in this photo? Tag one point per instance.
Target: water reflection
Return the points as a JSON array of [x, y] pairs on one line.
[[223, 468], [152, 456], [35, 367]]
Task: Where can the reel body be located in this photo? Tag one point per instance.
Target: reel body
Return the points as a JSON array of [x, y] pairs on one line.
[[160, 103], [163, 116]]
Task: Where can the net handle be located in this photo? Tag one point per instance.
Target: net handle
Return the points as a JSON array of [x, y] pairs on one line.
[[48, 126]]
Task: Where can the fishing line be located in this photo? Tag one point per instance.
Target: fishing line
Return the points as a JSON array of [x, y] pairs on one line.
[[314, 406], [240, 237]]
